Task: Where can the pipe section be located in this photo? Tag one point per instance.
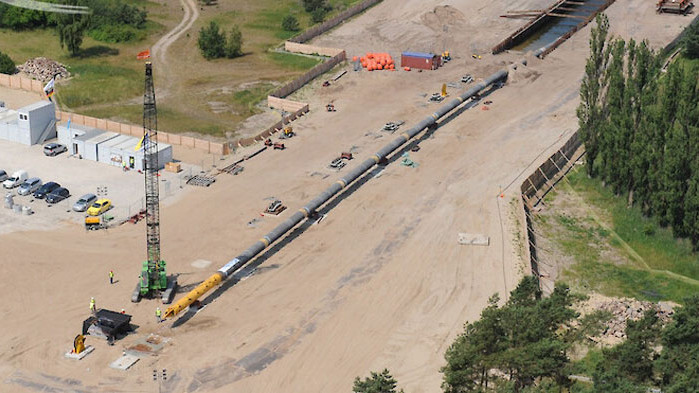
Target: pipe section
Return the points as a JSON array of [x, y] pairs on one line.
[[238, 262]]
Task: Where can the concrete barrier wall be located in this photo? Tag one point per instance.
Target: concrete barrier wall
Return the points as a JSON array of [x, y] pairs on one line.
[[330, 23], [296, 47]]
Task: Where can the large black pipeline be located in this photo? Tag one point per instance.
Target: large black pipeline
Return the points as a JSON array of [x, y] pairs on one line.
[[238, 262]]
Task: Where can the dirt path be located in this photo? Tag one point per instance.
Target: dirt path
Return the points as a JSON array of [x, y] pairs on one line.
[[159, 50]]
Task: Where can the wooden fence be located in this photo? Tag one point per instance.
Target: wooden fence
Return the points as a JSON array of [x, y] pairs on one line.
[[540, 182]]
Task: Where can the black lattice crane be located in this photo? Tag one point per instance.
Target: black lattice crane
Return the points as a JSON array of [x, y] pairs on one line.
[[154, 279]]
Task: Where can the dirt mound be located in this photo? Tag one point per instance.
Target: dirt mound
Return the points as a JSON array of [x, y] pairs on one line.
[[43, 69], [443, 15]]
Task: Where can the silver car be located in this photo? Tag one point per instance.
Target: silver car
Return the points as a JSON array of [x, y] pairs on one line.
[[84, 202], [30, 185]]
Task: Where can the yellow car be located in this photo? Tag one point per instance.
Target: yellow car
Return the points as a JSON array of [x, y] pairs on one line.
[[99, 207]]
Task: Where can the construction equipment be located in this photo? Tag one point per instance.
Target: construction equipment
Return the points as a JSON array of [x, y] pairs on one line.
[[326, 83], [436, 97], [287, 132], [78, 344], [444, 90], [154, 280], [241, 260], [346, 156], [107, 324], [93, 223], [337, 164], [330, 107], [446, 56], [279, 146], [268, 142], [275, 207], [681, 7], [467, 78]]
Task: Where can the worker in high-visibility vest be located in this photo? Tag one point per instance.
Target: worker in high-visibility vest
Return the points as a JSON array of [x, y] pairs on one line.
[[158, 314], [111, 277], [93, 307]]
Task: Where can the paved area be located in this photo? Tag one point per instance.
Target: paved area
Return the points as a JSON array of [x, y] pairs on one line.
[[125, 189]]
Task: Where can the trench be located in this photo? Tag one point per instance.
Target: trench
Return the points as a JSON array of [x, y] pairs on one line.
[[551, 27]]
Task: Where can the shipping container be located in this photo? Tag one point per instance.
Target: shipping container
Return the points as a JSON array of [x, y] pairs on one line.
[[425, 61]]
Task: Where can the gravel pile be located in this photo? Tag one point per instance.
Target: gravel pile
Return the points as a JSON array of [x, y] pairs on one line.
[[43, 69]]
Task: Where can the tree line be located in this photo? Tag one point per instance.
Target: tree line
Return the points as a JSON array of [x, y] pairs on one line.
[[111, 21], [640, 126], [525, 345]]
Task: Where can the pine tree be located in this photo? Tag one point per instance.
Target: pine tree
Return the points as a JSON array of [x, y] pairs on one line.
[[234, 45]]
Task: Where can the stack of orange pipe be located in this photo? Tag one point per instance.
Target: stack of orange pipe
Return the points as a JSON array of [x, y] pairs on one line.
[[377, 61]]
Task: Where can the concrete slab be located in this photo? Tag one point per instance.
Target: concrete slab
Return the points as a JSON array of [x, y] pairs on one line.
[[471, 239], [124, 362], [78, 356]]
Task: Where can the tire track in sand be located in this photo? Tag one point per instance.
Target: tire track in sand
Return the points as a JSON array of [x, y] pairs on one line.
[[159, 50]]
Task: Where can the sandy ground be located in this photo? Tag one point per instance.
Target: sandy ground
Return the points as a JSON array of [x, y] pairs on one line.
[[381, 282]]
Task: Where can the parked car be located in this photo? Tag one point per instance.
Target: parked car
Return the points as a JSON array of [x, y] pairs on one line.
[[16, 179], [46, 189], [57, 195], [53, 149], [84, 202], [99, 207], [29, 186], [3, 175]]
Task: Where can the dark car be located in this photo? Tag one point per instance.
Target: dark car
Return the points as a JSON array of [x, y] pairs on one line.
[[57, 195], [53, 149], [46, 189]]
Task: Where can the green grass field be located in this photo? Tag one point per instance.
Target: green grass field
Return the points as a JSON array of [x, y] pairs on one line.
[[616, 250], [107, 79]]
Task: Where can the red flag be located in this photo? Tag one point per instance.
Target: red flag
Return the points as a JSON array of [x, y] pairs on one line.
[[143, 55]]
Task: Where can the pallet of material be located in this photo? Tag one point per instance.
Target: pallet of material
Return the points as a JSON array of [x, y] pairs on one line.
[[201, 181], [173, 167], [675, 6]]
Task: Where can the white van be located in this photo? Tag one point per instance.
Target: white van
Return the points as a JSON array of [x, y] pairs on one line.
[[16, 179]]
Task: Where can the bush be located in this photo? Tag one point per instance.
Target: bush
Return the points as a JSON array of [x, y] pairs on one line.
[[116, 33], [17, 18], [290, 23], [212, 42], [7, 66], [234, 45], [318, 15]]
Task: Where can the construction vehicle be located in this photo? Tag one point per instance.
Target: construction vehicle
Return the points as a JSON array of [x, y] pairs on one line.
[[78, 344], [94, 223], [337, 164], [446, 56], [346, 156], [154, 279], [279, 146], [287, 132], [330, 107], [107, 324], [275, 207], [268, 142]]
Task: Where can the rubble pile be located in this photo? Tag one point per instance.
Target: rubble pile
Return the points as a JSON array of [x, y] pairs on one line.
[[631, 309], [43, 69]]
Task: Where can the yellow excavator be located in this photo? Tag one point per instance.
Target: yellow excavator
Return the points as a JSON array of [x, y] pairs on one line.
[[78, 344]]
